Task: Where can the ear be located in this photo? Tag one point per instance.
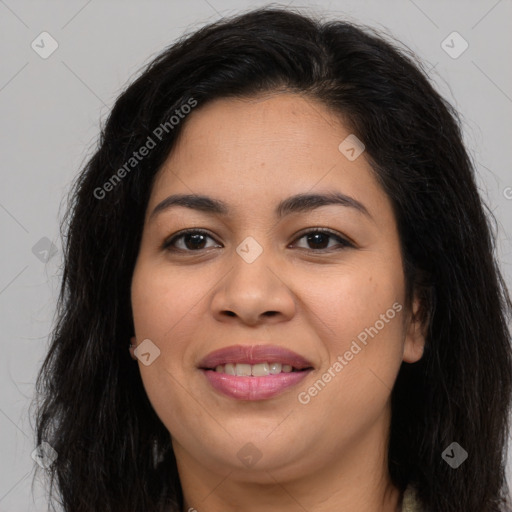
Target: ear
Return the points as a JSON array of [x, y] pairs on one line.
[[132, 347], [415, 334]]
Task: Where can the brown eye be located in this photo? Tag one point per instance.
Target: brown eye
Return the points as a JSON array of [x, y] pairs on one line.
[[318, 240], [193, 240]]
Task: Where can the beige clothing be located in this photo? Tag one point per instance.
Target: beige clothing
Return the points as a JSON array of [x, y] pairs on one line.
[[410, 503]]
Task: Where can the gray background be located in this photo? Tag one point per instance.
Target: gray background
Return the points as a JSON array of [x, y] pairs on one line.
[[50, 113]]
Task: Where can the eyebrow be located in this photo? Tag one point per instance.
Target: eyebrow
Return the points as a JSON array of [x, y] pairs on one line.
[[294, 204]]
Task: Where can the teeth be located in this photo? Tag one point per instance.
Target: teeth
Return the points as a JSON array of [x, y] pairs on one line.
[[230, 369], [255, 370], [260, 370], [243, 370], [275, 368]]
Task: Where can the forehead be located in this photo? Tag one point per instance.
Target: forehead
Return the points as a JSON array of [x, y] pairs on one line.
[[277, 120], [256, 151]]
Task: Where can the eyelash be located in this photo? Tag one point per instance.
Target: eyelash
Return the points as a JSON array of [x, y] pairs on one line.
[[333, 234]]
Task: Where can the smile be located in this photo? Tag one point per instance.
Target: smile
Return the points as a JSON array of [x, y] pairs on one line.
[[256, 372]]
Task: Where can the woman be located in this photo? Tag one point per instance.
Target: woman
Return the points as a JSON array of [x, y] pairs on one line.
[[282, 223]]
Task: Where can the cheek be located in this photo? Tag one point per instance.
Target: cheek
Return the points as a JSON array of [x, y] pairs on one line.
[[360, 316], [161, 300], [358, 301], [162, 305], [361, 320], [165, 304]]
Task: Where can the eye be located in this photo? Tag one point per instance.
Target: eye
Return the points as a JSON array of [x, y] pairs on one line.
[[193, 240], [319, 236]]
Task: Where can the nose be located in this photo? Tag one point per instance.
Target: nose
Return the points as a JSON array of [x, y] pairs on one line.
[[255, 292]]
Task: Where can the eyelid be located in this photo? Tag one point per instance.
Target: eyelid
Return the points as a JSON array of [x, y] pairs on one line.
[[343, 240]]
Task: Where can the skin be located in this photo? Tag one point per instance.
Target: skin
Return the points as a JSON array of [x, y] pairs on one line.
[[331, 453]]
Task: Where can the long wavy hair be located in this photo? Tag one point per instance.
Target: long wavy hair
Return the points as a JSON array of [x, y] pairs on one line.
[[114, 453]]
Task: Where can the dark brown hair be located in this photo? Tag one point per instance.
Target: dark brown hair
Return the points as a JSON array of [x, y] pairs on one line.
[[114, 454]]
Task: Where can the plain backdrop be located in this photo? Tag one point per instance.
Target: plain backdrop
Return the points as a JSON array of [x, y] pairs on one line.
[[50, 112]]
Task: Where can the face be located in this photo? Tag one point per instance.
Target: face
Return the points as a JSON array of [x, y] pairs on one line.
[[321, 279]]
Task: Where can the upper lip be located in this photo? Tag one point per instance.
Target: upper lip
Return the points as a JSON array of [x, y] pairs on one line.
[[254, 354]]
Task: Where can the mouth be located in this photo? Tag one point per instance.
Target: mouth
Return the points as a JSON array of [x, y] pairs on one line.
[[254, 372]]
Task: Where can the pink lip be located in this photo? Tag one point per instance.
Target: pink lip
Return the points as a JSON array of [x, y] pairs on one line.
[[254, 354], [253, 388]]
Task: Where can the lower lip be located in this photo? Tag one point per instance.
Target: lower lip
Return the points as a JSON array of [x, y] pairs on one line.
[[253, 388]]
